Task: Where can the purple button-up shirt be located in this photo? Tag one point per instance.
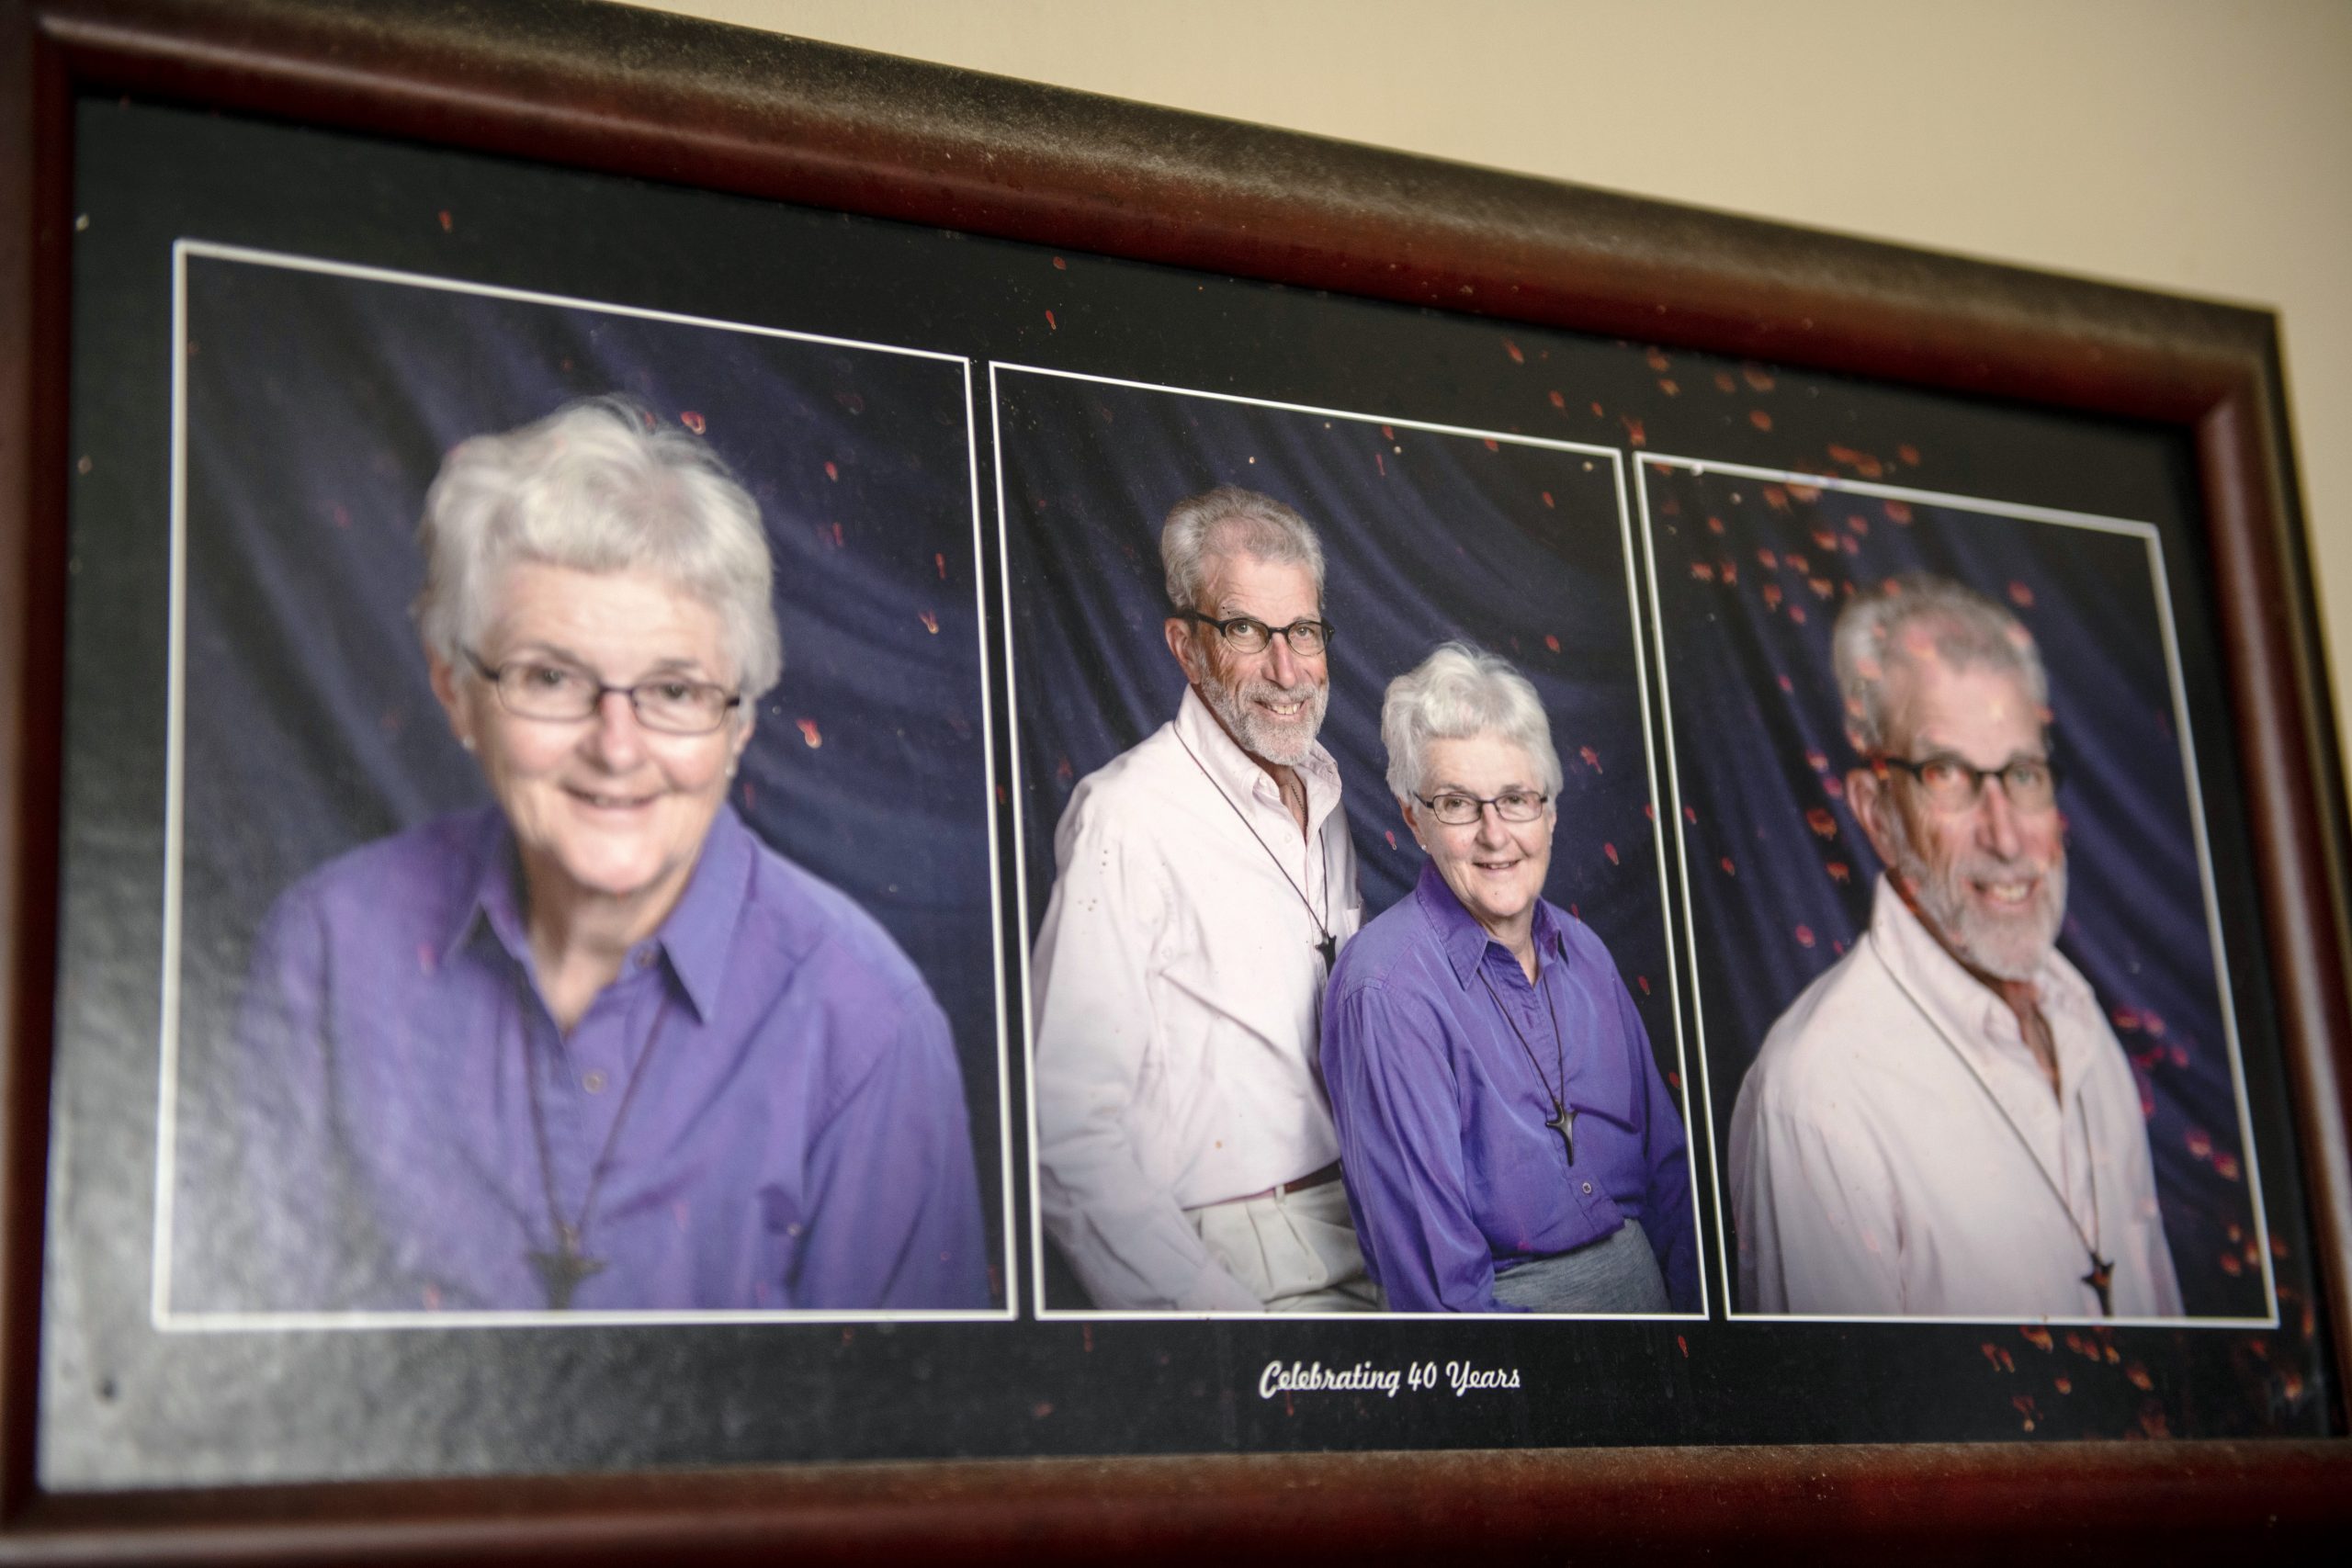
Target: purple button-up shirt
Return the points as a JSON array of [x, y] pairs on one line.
[[1452, 1174], [795, 1138]]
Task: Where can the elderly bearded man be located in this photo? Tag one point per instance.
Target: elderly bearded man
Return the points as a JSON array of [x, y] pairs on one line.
[[1942, 1125], [1204, 882]]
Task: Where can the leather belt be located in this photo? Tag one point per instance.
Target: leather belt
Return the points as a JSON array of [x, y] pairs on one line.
[[1323, 1178]]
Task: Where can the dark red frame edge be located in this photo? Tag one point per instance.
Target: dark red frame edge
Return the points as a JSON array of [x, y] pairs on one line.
[[661, 98]]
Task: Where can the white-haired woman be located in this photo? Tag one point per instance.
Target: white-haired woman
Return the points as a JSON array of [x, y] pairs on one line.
[[1506, 1141], [596, 1046]]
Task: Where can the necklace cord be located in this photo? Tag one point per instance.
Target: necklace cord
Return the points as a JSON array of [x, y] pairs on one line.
[[569, 1238], [2090, 1238], [1559, 1045], [1322, 921]]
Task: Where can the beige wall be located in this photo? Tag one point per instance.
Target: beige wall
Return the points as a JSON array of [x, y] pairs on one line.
[[2188, 145]]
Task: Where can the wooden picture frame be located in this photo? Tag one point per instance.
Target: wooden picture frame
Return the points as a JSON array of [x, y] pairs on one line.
[[618, 91]]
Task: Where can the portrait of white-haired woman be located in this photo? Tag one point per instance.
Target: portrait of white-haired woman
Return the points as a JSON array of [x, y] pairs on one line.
[[596, 1046], [1506, 1141]]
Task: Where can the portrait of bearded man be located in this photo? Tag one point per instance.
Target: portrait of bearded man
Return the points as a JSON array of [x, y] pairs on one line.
[[1204, 882], [1943, 1123]]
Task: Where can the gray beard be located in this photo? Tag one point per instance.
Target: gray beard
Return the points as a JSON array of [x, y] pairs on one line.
[[1286, 747], [2006, 950]]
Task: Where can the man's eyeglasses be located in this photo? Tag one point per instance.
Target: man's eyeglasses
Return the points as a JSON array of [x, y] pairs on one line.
[[558, 692], [1246, 634], [1458, 810], [1954, 784]]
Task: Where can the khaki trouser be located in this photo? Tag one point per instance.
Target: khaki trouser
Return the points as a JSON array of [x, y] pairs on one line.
[[1296, 1249]]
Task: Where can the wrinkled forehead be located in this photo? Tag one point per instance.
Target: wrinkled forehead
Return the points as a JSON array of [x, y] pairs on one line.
[[630, 613], [1485, 763], [1985, 711], [1275, 591]]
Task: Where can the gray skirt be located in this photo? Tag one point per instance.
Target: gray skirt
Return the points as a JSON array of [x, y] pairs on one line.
[[1617, 1273]]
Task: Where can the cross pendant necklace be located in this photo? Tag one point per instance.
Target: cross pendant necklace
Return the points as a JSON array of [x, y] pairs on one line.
[[563, 1269], [2102, 1279], [1327, 944], [1562, 1120]]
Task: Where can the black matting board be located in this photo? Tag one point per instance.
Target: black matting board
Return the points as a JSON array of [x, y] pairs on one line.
[[124, 1404]]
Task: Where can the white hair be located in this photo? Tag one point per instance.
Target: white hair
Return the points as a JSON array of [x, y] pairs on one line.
[[1230, 521], [1459, 692], [1881, 631], [599, 485]]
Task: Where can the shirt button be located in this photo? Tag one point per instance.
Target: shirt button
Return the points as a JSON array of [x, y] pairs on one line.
[[1587, 1187], [594, 1084]]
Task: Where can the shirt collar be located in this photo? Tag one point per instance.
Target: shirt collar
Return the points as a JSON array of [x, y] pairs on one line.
[[1464, 939], [700, 932], [1235, 773], [695, 938], [488, 887], [1972, 1010]]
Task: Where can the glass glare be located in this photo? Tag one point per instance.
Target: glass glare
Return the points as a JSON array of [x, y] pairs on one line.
[[1954, 784], [1246, 634], [1460, 810], [557, 693]]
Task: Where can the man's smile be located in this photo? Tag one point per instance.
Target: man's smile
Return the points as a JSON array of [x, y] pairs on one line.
[[2009, 894]]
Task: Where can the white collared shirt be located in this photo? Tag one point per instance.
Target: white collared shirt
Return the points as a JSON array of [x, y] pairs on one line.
[[1897, 1150], [1177, 989]]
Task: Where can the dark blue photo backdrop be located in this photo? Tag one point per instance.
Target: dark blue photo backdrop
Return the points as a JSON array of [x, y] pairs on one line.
[[1751, 574], [1513, 547], [319, 408]]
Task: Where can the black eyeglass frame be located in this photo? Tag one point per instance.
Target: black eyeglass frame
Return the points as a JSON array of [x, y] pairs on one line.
[[1881, 761], [1324, 629], [494, 673], [1482, 802]]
